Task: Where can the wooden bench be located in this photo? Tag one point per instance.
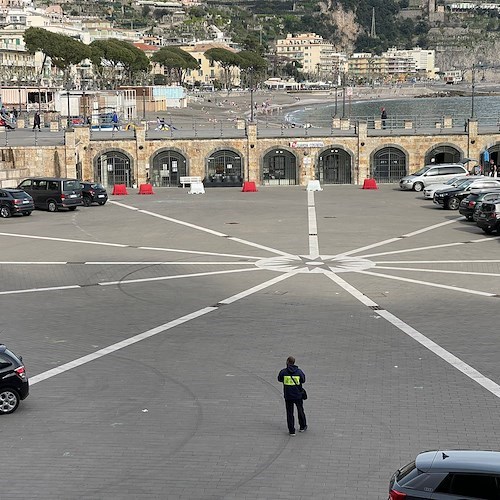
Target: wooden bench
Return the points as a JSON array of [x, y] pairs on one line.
[[189, 180]]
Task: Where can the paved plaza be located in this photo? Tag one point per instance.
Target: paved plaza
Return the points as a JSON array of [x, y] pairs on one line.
[[153, 329]]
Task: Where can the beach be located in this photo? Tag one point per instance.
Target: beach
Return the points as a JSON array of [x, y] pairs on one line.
[[223, 105]]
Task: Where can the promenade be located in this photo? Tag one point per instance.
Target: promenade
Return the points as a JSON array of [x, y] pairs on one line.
[[153, 329]]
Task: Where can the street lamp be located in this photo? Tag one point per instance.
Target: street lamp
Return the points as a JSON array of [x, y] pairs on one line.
[[68, 121], [343, 95], [251, 96], [474, 66], [84, 108], [143, 104]]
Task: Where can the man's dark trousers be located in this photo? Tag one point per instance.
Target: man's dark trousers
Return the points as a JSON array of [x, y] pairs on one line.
[[300, 413]]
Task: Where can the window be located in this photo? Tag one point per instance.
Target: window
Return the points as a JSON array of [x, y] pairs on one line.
[[40, 184], [432, 171], [471, 485], [5, 362], [53, 186], [25, 184]]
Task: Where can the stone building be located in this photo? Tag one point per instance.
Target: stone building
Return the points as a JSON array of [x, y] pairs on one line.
[[345, 155]]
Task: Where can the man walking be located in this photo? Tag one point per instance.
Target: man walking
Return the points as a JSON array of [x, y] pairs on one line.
[[36, 121], [114, 119], [383, 117], [292, 378]]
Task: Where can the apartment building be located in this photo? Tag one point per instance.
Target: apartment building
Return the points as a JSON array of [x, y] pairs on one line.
[[308, 49], [424, 59]]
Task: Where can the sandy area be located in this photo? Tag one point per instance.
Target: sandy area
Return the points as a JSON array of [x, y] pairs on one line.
[[217, 106]]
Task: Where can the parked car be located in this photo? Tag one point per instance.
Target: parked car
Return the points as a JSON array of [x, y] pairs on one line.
[[488, 217], [432, 174], [14, 385], [470, 205], [450, 198], [93, 192], [448, 475], [453, 182], [53, 193], [15, 201]]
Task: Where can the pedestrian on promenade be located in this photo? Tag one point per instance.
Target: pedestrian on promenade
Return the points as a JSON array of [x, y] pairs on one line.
[[292, 378], [36, 121], [115, 121], [493, 168], [383, 117]]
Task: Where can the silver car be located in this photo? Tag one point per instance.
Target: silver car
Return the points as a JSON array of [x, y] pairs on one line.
[[432, 174], [453, 182]]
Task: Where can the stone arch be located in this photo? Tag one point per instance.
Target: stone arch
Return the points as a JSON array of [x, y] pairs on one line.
[[335, 165], [114, 166], [443, 153], [279, 167], [166, 166], [224, 167], [388, 163]]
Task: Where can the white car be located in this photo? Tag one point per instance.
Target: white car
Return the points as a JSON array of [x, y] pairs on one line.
[[453, 182]]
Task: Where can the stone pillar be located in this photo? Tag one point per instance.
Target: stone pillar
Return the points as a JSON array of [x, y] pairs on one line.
[[54, 126], [345, 124], [70, 154], [447, 122], [252, 167], [408, 124], [362, 165], [140, 170], [377, 124], [473, 145], [20, 123], [335, 122], [240, 124]]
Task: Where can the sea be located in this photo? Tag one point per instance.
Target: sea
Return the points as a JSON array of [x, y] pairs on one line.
[[486, 108]]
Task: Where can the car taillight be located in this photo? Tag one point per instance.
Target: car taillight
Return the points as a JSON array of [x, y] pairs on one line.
[[17, 201], [21, 372], [63, 196], [472, 204], [396, 495]]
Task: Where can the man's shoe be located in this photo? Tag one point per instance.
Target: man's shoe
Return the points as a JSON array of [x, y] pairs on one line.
[[304, 429], [292, 433]]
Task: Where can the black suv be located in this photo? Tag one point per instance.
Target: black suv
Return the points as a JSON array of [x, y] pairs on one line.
[[450, 198], [14, 384], [53, 193], [93, 192], [15, 201], [448, 475], [488, 217], [469, 206]]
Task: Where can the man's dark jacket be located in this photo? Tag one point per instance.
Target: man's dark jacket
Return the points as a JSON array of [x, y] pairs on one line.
[[291, 388]]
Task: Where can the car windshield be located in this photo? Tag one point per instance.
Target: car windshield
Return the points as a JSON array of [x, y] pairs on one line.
[[13, 356], [466, 183], [459, 182], [73, 185], [97, 186], [19, 195], [422, 171]]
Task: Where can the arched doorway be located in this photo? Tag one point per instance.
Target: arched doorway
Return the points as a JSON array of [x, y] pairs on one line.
[[114, 167], [279, 168], [443, 154], [334, 166], [493, 155], [167, 167], [388, 165], [224, 168]]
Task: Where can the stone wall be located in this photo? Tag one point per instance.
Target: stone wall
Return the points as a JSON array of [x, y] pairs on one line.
[[19, 162]]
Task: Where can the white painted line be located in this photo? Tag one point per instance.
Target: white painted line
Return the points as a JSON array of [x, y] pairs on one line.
[[66, 240], [256, 245], [477, 261], [418, 249], [182, 223], [392, 240], [164, 278], [448, 357], [349, 288], [149, 333], [204, 229], [427, 283], [374, 245], [32, 263], [47, 289], [197, 252], [163, 263], [113, 202], [423, 270], [313, 226], [429, 228], [445, 355]]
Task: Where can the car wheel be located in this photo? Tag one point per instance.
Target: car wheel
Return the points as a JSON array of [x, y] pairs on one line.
[[26, 213], [102, 203], [9, 401], [488, 230], [453, 203], [4, 212], [71, 209], [52, 206], [87, 201], [418, 186]]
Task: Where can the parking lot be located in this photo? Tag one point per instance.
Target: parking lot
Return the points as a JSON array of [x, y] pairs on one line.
[[153, 329]]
